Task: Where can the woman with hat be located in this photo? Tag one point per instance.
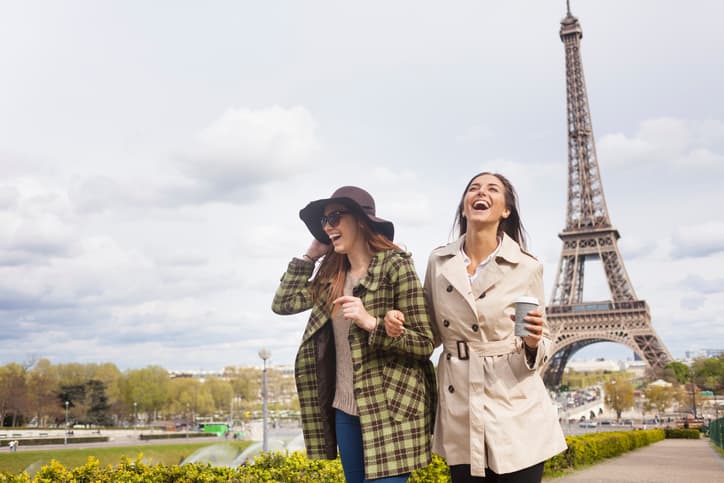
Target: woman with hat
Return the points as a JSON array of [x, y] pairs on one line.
[[359, 389]]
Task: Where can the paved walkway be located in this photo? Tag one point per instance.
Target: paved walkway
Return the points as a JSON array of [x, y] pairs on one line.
[[668, 461]]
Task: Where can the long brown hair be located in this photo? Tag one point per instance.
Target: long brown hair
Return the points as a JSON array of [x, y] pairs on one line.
[[332, 271], [512, 225]]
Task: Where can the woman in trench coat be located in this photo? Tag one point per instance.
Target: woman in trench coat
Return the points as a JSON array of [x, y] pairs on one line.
[[369, 394], [495, 420]]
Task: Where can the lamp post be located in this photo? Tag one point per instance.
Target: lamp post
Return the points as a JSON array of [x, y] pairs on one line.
[[231, 413], [265, 354], [135, 416], [693, 391], [188, 422], [65, 433]]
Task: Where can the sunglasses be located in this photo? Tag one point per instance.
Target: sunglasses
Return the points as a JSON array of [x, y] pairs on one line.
[[333, 218]]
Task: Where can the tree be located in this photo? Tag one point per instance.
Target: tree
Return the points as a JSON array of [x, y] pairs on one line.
[[74, 395], [221, 392], [619, 395], [13, 394], [676, 372], [709, 373], [149, 389], [42, 392], [97, 403], [246, 383], [87, 403], [658, 398], [188, 397]]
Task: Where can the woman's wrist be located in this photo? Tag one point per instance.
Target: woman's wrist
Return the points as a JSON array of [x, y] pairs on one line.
[[308, 258]]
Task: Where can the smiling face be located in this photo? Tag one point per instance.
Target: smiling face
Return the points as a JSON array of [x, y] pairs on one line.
[[347, 236], [484, 201]]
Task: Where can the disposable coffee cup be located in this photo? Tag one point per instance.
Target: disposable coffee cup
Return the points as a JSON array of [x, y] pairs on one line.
[[523, 305]]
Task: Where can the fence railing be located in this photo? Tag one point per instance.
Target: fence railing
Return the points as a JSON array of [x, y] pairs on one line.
[[716, 432]]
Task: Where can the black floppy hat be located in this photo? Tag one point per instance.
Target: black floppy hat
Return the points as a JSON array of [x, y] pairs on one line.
[[357, 200]]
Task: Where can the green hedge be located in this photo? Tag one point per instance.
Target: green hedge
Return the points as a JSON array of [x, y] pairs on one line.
[[582, 450], [679, 433], [145, 437], [55, 440], [587, 449], [272, 467]]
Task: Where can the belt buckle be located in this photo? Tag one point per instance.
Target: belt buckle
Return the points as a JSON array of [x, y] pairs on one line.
[[464, 354]]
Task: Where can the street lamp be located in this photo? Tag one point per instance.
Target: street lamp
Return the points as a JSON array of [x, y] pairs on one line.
[[265, 354], [693, 391], [65, 434], [135, 417], [188, 422]]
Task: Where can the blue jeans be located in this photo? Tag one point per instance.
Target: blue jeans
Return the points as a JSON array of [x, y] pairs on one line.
[[349, 440]]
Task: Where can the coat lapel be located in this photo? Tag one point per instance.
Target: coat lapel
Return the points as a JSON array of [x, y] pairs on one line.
[[452, 268], [487, 279], [508, 255]]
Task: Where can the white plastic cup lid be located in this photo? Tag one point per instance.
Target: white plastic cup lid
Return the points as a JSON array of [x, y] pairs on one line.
[[526, 300]]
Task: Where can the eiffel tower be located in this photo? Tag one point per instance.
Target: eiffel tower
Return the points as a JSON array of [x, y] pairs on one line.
[[589, 235]]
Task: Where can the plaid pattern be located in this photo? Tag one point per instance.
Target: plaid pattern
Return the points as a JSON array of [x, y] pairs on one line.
[[394, 380]]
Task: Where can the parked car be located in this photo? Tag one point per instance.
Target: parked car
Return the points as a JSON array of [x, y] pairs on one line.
[[587, 424]]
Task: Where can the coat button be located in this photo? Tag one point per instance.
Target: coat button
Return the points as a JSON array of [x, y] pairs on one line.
[[450, 388], [449, 288], [448, 356], [357, 366], [446, 323], [475, 327], [357, 391]]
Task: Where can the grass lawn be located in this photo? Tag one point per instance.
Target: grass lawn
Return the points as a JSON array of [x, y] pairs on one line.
[[169, 454]]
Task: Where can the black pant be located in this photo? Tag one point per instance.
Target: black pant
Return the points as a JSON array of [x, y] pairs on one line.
[[533, 474]]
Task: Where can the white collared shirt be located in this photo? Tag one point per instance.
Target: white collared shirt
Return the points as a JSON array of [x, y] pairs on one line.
[[483, 264]]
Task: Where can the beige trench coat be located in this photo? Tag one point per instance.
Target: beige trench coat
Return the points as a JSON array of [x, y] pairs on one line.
[[493, 409]]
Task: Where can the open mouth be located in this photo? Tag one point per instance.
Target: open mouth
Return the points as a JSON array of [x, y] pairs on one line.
[[481, 205], [334, 237]]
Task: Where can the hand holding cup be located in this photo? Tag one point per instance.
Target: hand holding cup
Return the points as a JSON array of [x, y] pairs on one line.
[[528, 320]]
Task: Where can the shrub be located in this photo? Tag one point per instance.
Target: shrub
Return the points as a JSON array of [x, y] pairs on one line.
[[278, 467], [679, 433]]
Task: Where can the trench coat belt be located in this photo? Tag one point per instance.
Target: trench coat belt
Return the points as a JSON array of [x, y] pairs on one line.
[[475, 351]]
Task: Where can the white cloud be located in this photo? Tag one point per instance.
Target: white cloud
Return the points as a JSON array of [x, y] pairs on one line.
[[8, 197], [134, 208], [700, 157], [703, 285], [247, 147], [698, 240], [677, 142]]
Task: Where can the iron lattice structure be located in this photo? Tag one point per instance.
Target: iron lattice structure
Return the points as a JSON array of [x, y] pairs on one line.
[[589, 235]]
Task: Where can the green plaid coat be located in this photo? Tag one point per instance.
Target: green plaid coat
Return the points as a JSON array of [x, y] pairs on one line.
[[394, 380]]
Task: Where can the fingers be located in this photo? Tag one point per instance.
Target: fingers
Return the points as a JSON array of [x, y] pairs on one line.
[[394, 323], [534, 326], [344, 299], [352, 308], [317, 249]]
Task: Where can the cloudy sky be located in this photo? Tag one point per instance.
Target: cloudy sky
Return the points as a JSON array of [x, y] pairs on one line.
[[155, 155]]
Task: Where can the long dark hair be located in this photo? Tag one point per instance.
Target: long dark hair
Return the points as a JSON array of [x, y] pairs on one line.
[[510, 225], [334, 266]]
